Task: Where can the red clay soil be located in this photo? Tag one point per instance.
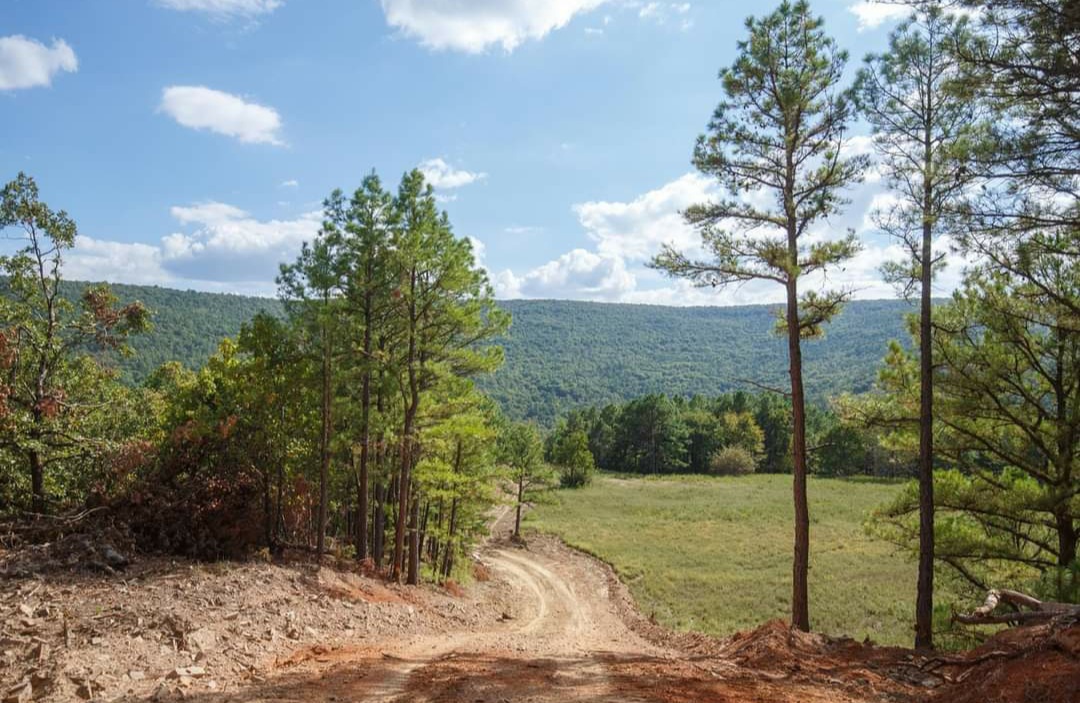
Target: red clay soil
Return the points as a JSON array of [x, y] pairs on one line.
[[547, 625], [1039, 663]]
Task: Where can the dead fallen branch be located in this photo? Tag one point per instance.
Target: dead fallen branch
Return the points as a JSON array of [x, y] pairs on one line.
[[1037, 611]]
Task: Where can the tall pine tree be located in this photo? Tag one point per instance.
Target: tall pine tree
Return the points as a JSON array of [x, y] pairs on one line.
[[779, 134], [919, 104]]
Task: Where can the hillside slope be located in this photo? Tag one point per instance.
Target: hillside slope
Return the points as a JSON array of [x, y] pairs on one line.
[[562, 354], [188, 325]]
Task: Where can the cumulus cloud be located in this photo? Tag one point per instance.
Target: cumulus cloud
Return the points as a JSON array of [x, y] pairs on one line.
[[291, 183], [578, 274], [636, 229], [199, 107], [224, 9], [873, 14], [860, 145], [219, 247], [27, 63], [626, 234], [857, 145], [118, 262], [479, 251], [443, 176], [880, 203], [478, 25], [228, 244]]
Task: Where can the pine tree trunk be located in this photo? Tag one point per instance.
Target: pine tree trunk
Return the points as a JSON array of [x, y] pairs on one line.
[[449, 549], [800, 598], [414, 542], [365, 429], [378, 525], [382, 493], [520, 498], [268, 508], [279, 519], [324, 464], [405, 478], [924, 599]]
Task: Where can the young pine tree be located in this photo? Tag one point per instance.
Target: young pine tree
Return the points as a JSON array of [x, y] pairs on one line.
[[916, 99], [311, 290], [369, 221], [778, 136]]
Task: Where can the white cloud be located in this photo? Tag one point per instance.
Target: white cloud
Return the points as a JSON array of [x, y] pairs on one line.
[[649, 9], [660, 12], [477, 25], [221, 248], [578, 274], [229, 244], [860, 145], [873, 14], [627, 234], [291, 183], [636, 229], [27, 63], [479, 251], [444, 176], [857, 145], [117, 262], [881, 203], [224, 9], [199, 107], [523, 229]]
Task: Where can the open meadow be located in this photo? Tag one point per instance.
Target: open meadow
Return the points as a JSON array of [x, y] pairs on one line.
[[714, 554]]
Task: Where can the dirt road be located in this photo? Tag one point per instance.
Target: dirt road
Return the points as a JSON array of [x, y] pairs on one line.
[[566, 632], [556, 644], [559, 639], [548, 624]]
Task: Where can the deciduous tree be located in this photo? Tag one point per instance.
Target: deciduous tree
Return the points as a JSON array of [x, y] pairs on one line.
[[48, 381]]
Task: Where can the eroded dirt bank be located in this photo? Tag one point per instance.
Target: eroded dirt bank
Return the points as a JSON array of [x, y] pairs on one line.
[[550, 624]]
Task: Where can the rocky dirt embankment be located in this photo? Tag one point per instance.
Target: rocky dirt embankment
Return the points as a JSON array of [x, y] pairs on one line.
[[165, 627]]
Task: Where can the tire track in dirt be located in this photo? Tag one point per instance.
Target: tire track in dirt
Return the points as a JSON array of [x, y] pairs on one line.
[[553, 649]]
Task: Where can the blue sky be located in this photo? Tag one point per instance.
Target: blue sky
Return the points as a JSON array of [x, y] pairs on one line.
[[193, 140]]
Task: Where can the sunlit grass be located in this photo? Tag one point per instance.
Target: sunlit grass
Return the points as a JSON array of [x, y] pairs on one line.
[[714, 554]]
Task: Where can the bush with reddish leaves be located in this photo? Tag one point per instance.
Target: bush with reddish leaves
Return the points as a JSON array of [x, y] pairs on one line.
[[199, 500]]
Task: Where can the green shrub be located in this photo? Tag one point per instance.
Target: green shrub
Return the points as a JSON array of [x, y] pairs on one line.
[[732, 461]]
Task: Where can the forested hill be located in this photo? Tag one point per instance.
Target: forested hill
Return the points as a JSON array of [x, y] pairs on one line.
[[560, 354], [188, 325]]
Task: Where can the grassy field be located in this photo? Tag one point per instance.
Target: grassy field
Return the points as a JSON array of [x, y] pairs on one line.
[[714, 554]]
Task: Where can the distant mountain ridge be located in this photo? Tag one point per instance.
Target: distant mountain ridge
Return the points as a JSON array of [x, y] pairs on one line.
[[562, 354]]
